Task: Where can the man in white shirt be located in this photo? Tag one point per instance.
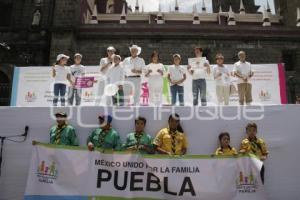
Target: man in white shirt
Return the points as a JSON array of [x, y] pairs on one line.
[[199, 73], [115, 75], [222, 77], [243, 71], [77, 70], [134, 67], [105, 64], [177, 76]]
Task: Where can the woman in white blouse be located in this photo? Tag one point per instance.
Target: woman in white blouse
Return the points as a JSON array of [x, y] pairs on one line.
[[154, 73]]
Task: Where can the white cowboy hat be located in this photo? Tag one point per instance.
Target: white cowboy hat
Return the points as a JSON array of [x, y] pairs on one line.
[[60, 56], [110, 90], [136, 47]]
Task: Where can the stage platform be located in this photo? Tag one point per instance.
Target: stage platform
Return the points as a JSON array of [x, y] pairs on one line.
[[278, 125]]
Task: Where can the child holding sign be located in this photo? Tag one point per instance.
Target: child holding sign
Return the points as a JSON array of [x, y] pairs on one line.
[[77, 70], [199, 67], [254, 145]]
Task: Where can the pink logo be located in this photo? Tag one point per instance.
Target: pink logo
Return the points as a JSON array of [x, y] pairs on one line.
[[145, 94]]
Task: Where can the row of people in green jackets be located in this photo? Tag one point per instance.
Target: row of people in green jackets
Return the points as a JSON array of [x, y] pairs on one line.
[[170, 140]]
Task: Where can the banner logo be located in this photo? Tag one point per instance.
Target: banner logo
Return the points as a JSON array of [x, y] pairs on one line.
[[246, 184], [88, 94], [47, 173], [30, 96], [265, 95]]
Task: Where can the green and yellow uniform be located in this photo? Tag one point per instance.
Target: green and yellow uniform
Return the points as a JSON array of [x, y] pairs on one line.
[[136, 140], [64, 135], [171, 142], [256, 146], [105, 139], [226, 152]]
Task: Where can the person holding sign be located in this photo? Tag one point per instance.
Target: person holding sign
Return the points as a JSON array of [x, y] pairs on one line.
[[177, 76], [222, 77], [105, 64], [254, 145], [171, 140], [225, 149], [105, 136], [242, 70], [63, 133], [115, 76], [76, 71], [59, 73], [139, 140], [199, 67], [134, 67], [155, 79]]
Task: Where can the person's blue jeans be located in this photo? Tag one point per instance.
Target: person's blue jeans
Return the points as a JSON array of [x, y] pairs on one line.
[[59, 91], [199, 86], [177, 89], [74, 92]]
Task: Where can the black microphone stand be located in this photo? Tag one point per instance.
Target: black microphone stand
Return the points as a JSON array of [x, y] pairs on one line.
[[9, 138]]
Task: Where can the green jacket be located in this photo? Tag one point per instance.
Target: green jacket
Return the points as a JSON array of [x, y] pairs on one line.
[[110, 140], [66, 136], [145, 139]]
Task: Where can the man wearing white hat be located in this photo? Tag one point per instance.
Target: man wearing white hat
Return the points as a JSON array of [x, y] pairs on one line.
[[105, 64], [133, 66]]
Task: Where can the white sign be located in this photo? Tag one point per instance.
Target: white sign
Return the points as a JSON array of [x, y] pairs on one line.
[[95, 175]]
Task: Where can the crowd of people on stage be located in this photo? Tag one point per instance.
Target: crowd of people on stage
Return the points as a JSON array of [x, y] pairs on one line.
[[118, 73], [171, 140]]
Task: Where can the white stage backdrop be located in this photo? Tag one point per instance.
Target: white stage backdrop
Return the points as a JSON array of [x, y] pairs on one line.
[[278, 125], [33, 86]]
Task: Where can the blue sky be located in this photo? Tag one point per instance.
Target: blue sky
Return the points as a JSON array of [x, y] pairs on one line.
[[185, 5]]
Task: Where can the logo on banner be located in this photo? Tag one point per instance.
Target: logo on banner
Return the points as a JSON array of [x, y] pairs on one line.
[[47, 173], [265, 95], [88, 96], [30, 96], [246, 183]]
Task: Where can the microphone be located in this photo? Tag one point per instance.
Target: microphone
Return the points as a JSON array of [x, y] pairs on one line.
[[26, 131]]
